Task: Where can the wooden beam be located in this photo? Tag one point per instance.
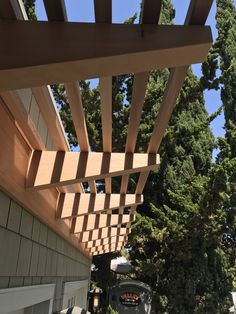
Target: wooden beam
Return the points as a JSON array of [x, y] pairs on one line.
[[6, 10], [102, 233], [55, 9], [103, 14], [105, 88], [75, 204], [78, 117], [198, 12], [48, 169], [77, 113], [97, 221], [106, 247], [119, 248], [138, 95], [103, 11], [39, 57], [150, 14], [151, 10], [105, 241]]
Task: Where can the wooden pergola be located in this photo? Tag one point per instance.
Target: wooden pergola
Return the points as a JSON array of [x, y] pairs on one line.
[[48, 179]]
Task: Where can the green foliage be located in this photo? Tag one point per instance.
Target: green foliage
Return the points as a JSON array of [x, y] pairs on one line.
[[111, 311], [226, 16], [30, 9]]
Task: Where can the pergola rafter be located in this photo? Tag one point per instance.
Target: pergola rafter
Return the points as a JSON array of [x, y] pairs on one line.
[[98, 221], [105, 241], [77, 204], [108, 246], [102, 233]]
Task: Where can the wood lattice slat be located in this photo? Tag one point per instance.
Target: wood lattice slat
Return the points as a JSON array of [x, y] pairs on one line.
[[76, 204], [105, 88], [103, 11], [118, 248], [151, 10], [56, 11], [103, 14], [105, 241], [98, 221], [102, 233], [106, 247]]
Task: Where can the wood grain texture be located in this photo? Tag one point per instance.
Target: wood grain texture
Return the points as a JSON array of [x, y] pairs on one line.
[[112, 49], [50, 169], [75, 204]]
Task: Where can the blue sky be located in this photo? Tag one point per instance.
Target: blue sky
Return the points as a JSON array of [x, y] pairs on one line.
[[82, 11]]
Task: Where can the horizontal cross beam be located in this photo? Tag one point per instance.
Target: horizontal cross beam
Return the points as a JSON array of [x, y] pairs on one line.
[[106, 247], [52, 169], [52, 52], [117, 248], [76, 204], [102, 233], [105, 241], [97, 221]]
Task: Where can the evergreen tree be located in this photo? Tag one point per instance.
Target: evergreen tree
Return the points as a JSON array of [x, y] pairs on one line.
[[224, 171]]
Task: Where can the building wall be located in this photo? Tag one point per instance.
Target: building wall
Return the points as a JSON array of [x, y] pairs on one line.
[[32, 254], [28, 100]]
